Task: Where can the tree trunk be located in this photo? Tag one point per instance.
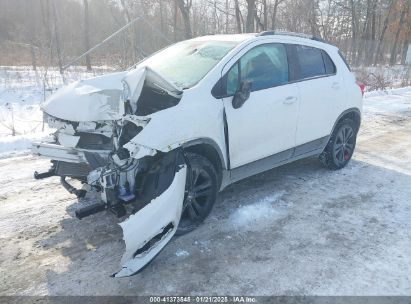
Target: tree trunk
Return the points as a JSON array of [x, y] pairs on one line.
[[406, 45], [404, 12], [353, 32], [274, 16], [384, 29], [57, 38], [250, 16], [132, 32], [33, 32], [185, 13], [175, 19], [87, 34], [313, 19], [365, 30], [238, 17], [371, 45], [265, 10], [226, 16]]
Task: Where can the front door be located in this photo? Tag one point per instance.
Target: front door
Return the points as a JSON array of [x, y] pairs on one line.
[[266, 123]]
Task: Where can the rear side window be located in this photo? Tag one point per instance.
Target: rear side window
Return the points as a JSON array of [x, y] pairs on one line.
[[311, 62], [328, 63]]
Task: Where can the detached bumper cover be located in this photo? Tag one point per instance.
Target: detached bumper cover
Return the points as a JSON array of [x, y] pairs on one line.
[[151, 228]]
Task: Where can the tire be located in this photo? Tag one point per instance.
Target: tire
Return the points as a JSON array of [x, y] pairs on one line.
[[200, 194], [341, 145]]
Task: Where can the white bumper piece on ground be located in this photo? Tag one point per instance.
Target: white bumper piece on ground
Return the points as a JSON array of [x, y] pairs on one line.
[[151, 228]]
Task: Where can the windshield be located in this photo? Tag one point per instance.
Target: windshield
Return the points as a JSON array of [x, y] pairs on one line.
[[186, 63]]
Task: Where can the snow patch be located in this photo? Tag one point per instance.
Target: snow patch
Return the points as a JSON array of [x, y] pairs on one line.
[[268, 208], [397, 101], [19, 144], [182, 253]]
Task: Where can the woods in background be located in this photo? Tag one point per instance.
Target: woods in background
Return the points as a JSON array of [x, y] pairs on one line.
[[53, 32]]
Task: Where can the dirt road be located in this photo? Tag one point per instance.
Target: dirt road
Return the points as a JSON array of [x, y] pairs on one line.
[[298, 229]]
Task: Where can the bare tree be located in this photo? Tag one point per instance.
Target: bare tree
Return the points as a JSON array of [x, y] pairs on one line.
[[384, 29], [185, 6], [238, 17], [274, 14], [405, 8], [251, 8], [57, 37], [87, 33]]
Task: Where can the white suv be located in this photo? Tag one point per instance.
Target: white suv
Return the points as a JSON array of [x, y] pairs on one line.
[[160, 140]]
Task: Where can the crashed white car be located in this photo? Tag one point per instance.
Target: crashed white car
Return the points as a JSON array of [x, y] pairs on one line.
[[159, 141]]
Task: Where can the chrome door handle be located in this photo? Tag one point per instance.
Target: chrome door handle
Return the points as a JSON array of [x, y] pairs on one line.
[[335, 85], [290, 100]]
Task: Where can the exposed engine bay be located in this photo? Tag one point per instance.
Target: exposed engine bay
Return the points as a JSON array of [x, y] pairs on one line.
[[94, 143]]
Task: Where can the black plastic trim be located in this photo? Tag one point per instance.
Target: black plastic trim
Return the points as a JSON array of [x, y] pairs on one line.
[[311, 148], [210, 142]]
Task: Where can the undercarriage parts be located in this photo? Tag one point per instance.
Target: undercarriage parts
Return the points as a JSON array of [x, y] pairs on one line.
[[89, 210], [49, 173], [77, 192]]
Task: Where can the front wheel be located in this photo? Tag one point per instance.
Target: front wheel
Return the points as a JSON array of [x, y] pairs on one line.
[[200, 193], [341, 145]]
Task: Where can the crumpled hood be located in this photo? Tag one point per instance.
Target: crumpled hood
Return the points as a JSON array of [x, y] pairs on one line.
[[93, 99], [98, 98]]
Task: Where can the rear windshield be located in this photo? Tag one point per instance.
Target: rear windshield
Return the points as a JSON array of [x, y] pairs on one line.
[[186, 63]]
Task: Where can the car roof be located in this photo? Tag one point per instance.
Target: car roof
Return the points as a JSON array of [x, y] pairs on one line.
[[280, 35]]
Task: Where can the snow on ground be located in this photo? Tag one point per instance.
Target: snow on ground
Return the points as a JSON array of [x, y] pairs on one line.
[[182, 253], [20, 144], [388, 102], [259, 212], [22, 90]]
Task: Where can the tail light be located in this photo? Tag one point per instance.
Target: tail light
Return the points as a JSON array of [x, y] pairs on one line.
[[362, 86]]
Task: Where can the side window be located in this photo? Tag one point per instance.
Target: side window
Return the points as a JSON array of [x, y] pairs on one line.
[[265, 66], [311, 61], [329, 64]]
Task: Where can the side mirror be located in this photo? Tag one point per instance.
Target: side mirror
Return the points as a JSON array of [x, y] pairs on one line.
[[242, 94]]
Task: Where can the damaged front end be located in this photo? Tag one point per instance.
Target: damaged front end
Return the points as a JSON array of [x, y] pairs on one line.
[[97, 122]]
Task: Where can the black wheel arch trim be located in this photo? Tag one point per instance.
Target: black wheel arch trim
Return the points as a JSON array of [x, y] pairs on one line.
[[209, 142], [344, 113]]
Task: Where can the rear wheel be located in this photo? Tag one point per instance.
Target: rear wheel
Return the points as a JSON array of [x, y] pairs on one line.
[[200, 193], [341, 145]]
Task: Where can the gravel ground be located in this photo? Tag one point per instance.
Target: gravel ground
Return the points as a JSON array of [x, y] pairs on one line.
[[298, 229]]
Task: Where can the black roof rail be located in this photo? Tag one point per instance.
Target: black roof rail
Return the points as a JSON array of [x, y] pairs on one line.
[[300, 35]]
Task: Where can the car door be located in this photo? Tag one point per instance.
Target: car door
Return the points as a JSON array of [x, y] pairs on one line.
[[266, 123], [322, 97]]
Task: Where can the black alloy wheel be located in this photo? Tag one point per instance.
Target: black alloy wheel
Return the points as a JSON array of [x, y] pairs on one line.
[[341, 145], [200, 193]]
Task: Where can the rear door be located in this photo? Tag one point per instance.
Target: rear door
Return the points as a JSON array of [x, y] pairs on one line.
[[266, 123], [322, 96]]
